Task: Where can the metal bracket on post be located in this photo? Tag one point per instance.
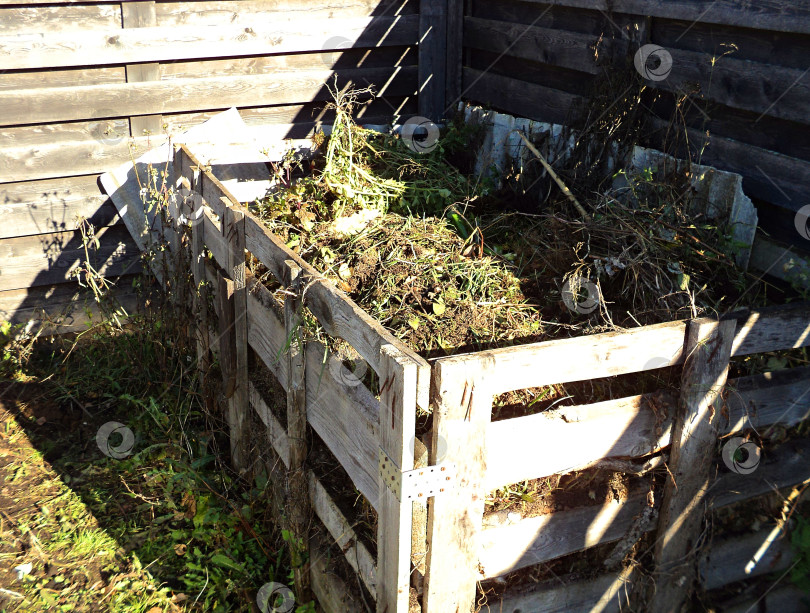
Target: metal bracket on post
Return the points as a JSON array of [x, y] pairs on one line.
[[419, 483]]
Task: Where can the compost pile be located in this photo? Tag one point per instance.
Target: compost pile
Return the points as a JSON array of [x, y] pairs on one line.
[[434, 254]]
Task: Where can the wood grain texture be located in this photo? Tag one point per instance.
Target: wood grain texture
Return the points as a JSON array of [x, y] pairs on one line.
[[47, 259], [578, 359], [233, 229], [506, 546], [266, 331], [454, 54], [297, 503], [463, 407], [346, 416], [572, 50], [694, 436], [772, 329], [356, 553], [62, 308], [572, 438], [24, 20], [183, 95], [167, 43], [397, 426], [39, 207], [142, 15]]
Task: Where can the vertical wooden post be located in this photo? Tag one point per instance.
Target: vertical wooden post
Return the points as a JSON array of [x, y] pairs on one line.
[[298, 507], [454, 55], [186, 177], [233, 228], [461, 413], [397, 427], [432, 58], [694, 438], [142, 15]]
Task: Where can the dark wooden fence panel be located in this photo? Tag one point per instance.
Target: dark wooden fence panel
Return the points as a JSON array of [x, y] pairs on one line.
[[745, 64]]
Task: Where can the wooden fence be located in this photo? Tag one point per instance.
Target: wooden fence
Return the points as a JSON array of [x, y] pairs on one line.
[[370, 438], [746, 61], [87, 86]]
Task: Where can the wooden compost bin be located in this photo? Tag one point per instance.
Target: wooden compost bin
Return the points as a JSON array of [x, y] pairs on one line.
[[372, 439]]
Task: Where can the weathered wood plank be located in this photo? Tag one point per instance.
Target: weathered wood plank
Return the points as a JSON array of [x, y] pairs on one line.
[[59, 18], [297, 502], [142, 15], [335, 311], [183, 95], [107, 149], [454, 54], [772, 329], [233, 229], [48, 259], [521, 98], [45, 78], [432, 62], [461, 416], [724, 563], [226, 340], [578, 359], [572, 438], [506, 547], [265, 330], [397, 426], [346, 417], [167, 43], [63, 308], [39, 207], [356, 553], [779, 15], [546, 45], [334, 594], [694, 436]]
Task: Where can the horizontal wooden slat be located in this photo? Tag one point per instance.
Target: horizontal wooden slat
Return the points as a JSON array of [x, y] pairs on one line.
[[62, 308], [534, 540], [66, 77], [723, 564], [168, 43], [38, 207], [547, 45], [780, 15], [182, 95], [335, 311], [634, 350], [59, 18], [48, 259], [572, 438], [582, 358], [205, 13], [772, 329], [265, 330], [520, 98]]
